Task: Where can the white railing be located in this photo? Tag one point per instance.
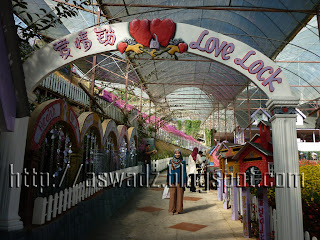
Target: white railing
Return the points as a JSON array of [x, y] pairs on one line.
[[59, 85], [46, 209], [308, 146], [178, 140], [71, 91], [111, 110], [159, 165]]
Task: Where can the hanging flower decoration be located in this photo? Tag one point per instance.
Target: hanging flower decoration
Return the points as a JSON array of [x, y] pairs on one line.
[[133, 152], [123, 153], [57, 147]]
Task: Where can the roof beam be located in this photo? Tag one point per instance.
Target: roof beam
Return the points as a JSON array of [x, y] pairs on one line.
[[216, 8], [86, 10]]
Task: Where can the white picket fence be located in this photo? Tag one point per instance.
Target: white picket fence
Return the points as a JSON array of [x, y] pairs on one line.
[[272, 215], [46, 209]]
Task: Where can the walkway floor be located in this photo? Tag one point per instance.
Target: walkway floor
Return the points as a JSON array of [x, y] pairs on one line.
[[146, 217]]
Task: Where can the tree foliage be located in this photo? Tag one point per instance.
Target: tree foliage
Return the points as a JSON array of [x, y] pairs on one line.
[[36, 23], [179, 125], [209, 136], [188, 127], [192, 127]]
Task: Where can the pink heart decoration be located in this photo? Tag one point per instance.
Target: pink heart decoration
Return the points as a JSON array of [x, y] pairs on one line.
[[139, 30], [164, 29], [122, 46], [182, 47]]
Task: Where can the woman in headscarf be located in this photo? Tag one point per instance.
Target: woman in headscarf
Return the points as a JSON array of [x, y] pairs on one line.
[[176, 180], [193, 160]]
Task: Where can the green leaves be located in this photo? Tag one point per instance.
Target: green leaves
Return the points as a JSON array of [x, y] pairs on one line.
[[179, 125], [30, 18], [192, 127]]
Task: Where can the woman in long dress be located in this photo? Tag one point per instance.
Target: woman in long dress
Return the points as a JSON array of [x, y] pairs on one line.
[[176, 180], [193, 160]]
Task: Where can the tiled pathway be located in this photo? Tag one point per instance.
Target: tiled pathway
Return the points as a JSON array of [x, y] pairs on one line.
[[146, 217]]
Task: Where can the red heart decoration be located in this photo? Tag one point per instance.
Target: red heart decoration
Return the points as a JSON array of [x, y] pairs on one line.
[[182, 47], [139, 30], [164, 29], [285, 109], [122, 46]]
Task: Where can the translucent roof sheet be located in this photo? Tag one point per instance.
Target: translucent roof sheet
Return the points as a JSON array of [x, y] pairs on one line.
[[300, 61], [264, 31], [203, 85]]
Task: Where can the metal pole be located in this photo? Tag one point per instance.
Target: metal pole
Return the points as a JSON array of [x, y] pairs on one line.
[[141, 100], [225, 123], [318, 20], [155, 120], [318, 116], [94, 63], [70, 75], [149, 110], [218, 122], [212, 128], [234, 122], [247, 9], [127, 77], [249, 117]]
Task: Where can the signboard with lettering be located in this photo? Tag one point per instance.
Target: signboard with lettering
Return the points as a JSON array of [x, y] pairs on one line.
[[156, 37], [45, 116], [263, 214], [246, 218]]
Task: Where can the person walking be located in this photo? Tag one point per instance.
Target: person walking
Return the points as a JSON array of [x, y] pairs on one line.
[[147, 162], [193, 160], [176, 180]]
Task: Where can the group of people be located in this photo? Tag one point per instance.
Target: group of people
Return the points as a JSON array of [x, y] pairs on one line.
[[177, 177]]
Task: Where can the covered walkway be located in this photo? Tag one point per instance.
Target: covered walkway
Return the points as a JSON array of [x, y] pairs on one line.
[[146, 217]]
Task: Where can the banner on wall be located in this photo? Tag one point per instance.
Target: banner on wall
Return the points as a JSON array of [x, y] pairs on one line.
[[45, 116]]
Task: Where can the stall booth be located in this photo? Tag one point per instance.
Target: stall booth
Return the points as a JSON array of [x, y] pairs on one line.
[[110, 143], [132, 147], [91, 136], [53, 142], [123, 146], [256, 170]]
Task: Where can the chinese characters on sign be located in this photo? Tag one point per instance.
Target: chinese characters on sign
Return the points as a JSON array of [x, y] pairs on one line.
[[104, 36], [83, 38], [62, 47]]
